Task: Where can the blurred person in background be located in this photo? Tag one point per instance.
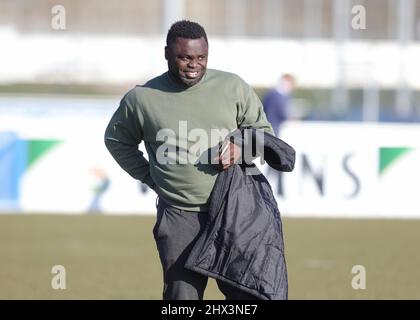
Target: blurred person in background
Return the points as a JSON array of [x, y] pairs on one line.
[[203, 99], [276, 102], [276, 107]]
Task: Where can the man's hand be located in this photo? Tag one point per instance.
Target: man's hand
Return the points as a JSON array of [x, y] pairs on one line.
[[231, 153]]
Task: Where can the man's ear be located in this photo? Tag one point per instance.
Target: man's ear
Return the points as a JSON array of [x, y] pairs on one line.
[[166, 52]]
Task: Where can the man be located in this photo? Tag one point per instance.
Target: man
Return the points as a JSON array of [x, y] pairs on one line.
[[170, 113], [276, 102]]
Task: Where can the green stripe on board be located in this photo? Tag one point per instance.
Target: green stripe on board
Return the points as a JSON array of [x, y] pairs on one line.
[[36, 148], [388, 155]]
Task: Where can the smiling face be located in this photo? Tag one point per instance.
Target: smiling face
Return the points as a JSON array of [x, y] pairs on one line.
[[187, 60]]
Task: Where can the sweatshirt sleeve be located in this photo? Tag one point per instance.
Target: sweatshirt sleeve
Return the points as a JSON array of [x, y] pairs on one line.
[[251, 111], [123, 136]]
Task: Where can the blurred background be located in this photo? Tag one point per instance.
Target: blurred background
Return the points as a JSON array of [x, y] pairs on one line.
[[352, 114]]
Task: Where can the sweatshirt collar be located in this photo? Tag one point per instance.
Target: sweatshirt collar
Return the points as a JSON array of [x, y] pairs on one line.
[[173, 83]]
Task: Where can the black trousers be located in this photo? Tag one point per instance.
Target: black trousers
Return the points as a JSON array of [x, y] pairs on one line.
[[175, 233]]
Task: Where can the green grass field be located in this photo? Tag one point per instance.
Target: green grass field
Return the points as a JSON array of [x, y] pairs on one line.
[[114, 257]]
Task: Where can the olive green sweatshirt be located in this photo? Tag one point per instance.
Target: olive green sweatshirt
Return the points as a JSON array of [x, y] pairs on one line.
[[181, 128]]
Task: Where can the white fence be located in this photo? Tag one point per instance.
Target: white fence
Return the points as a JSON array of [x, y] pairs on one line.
[[115, 60], [59, 164]]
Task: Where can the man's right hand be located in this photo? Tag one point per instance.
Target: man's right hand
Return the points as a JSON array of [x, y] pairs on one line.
[[230, 154]]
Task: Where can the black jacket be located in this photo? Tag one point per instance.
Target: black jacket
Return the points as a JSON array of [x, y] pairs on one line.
[[242, 243]]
